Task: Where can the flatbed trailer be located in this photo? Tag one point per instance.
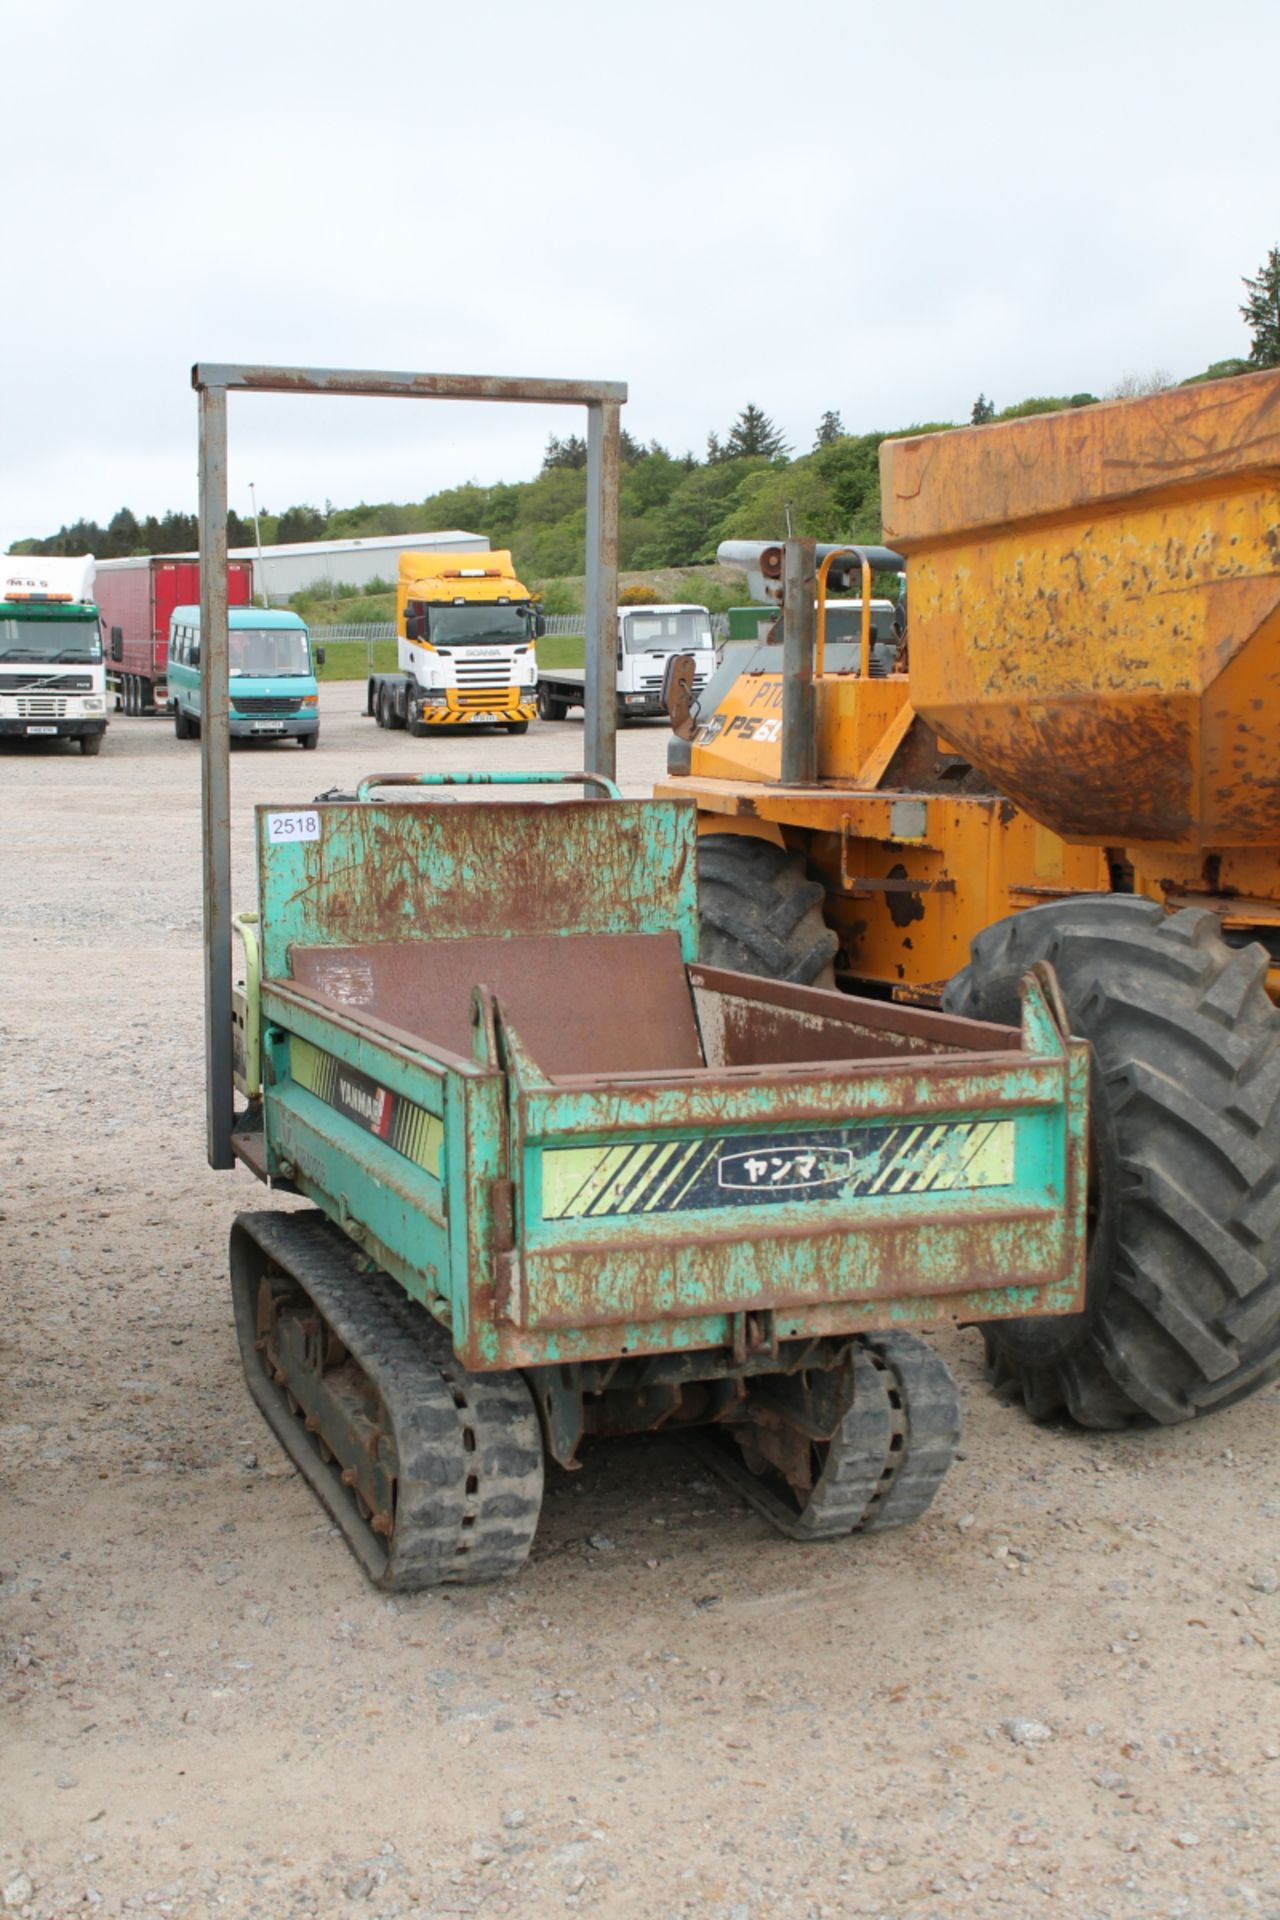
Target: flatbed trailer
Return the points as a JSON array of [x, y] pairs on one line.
[[707, 1200]]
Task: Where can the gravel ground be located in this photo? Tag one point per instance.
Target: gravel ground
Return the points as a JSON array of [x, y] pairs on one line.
[[1055, 1695]]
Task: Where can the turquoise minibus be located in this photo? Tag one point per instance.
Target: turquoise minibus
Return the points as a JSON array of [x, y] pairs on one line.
[[273, 681]]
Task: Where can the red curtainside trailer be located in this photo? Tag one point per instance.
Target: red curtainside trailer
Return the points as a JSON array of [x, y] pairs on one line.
[[135, 598]]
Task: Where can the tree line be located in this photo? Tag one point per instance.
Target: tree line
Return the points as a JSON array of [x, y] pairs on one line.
[[674, 508]]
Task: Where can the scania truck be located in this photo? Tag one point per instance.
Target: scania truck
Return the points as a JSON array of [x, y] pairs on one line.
[[52, 683], [465, 632], [647, 638]]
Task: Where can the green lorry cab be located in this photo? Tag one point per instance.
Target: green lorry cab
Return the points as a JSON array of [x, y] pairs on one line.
[[272, 669]]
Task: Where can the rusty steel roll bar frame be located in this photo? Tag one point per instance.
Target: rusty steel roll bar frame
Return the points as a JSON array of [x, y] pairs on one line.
[[603, 400]]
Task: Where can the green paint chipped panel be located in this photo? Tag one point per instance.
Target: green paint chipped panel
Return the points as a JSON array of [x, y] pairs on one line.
[[618, 1211]]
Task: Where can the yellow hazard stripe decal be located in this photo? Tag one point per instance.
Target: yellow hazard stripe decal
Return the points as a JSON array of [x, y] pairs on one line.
[[645, 1177]]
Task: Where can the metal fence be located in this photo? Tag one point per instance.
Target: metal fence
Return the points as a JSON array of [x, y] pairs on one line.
[[369, 630], [572, 623], [371, 633]]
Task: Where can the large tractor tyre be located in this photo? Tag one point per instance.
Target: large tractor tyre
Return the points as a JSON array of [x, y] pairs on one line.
[[761, 913], [1182, 1304]]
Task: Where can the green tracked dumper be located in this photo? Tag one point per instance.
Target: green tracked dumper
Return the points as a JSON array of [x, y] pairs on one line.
[[566, 1181]]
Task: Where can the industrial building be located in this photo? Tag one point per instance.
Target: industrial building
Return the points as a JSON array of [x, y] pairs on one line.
[[281, 571]]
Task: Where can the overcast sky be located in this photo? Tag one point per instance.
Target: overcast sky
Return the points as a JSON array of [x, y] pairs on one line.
[[879, 210]]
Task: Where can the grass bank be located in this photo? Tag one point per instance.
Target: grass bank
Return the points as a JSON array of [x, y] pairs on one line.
[[349, 659]]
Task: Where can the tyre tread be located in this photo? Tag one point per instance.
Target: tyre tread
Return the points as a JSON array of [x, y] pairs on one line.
[[1186, 1048]]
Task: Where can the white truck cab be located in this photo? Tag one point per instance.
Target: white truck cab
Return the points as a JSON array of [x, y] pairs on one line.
[[647, 638], [52, 676]]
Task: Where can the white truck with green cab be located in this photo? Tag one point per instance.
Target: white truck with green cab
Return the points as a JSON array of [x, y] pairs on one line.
[[52, 675]]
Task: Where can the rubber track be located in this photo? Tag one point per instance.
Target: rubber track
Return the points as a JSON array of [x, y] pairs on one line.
[[1183, 1314], [886, 1461], [760, 913], [469, 1450]]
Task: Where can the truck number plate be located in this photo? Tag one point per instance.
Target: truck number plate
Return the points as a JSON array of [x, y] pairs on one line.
[[268, 726], [42, 729], [285, 827]]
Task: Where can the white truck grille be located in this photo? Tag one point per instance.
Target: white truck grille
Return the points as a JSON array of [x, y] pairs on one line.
[[482, 684], [484, 673], [41, 706], [652, 682]]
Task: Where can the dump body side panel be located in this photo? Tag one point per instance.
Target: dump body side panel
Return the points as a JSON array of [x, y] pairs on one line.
[[409, 872], [926, 1168], [1095, 610]]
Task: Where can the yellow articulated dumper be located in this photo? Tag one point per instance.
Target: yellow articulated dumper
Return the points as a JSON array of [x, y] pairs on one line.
[[1066, 759], [465, 633]]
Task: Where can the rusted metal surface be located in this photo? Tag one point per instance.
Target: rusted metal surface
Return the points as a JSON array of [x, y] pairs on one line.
[[945, 486], [747, 1021], [678, 695], [563, 995], [215, 782], [408, 386], [604, 787], [326, 1389], [1095, 610], [603, 400], [621, 1284], [394, 873], [518, 1124], [604, 466]]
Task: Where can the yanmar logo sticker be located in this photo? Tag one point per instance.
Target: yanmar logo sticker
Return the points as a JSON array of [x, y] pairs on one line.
[[361, 1100], [406, 1127]]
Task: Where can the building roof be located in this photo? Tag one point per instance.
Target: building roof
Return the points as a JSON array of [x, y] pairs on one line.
[[375, 543]]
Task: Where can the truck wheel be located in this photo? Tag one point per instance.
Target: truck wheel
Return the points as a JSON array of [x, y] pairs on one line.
[[91, 743], [761, 913], [309, 740], [146, 697], [516, 726], [1182, 1303], [549, 708], [181, 724], [389, 714]]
